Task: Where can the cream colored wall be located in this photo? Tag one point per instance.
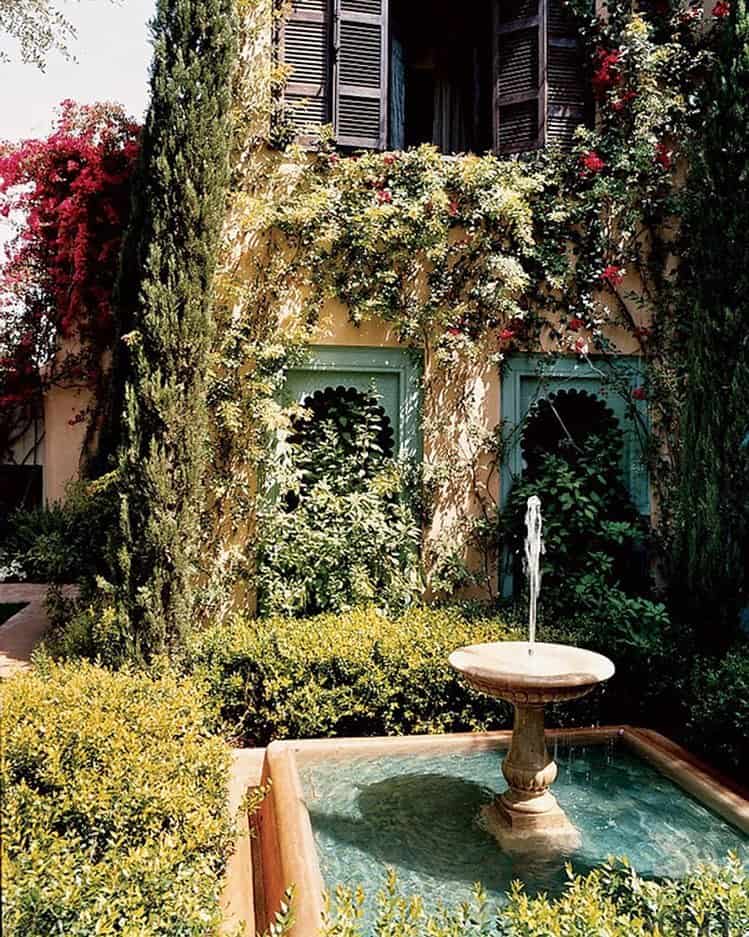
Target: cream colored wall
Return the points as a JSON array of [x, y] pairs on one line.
[[63, 442]]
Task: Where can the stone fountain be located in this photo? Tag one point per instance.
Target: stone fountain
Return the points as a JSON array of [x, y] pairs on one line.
[[529, 674]]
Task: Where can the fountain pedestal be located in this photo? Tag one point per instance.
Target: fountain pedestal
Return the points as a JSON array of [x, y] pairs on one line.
[[527, 816]]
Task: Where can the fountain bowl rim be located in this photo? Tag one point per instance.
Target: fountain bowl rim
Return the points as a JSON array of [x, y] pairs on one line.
[[475, 661]]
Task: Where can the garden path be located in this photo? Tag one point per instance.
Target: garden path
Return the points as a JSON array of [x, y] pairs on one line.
[[20, 634]]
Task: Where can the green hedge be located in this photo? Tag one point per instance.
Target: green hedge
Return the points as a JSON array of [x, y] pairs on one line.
[[718, 721], [114, 806], [356, 673], [611, 901]]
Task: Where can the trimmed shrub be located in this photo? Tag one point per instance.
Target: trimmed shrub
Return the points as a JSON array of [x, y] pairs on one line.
[[611, 901], [718, 723], [114, 805], [357, 673]]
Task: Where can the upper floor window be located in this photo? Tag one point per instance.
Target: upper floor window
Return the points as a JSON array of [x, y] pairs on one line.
[[389, 74]]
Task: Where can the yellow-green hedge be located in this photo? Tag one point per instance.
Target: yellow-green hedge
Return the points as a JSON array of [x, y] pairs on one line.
[[114, 815], [354, 673]]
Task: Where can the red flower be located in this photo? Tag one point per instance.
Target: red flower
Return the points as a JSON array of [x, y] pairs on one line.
[[592, 162], [663, 156], [453, 208], [606, 73], [575, 324], [638, 393], [613, 275], [333, 159], [642, 332], [623, 101], [581, 346], [722, 8], [506, 335], [389, 158], [454, 330], [384, 196]]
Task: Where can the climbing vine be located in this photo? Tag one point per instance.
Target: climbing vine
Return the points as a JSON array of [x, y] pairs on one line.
[[469, 259]]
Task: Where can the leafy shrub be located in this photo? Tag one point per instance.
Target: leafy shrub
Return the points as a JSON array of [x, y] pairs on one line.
[[338, 527], [65, 541], [357, 673], [718, 720], [611, 901], [114, 805]]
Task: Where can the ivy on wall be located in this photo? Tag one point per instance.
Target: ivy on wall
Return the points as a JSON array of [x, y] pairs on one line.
[[476, 257]]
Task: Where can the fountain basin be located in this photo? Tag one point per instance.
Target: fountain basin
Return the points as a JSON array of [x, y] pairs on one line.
[[345, 810], [527, 817], [552, 673]]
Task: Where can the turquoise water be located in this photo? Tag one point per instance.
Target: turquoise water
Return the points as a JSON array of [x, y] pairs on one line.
[[420, 814]]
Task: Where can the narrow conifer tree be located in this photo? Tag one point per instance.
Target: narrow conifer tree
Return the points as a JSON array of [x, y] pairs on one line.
[[711, 577], [164, 302]]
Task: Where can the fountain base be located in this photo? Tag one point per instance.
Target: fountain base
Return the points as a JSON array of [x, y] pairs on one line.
[[538, 826]]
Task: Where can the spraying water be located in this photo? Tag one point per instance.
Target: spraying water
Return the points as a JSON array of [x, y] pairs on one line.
[[534, 547]]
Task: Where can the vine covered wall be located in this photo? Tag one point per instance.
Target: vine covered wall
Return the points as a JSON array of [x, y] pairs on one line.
[[468, 260]]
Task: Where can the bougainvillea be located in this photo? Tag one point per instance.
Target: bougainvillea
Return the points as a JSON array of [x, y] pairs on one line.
[[70, 195]]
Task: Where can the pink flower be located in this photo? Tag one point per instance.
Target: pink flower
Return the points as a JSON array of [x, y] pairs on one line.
[[333, 159], [384, 196], [613, 275], [575, 324], [453, 208], [693, 13], [663, 156], [638, 393], [722, 8], [581, 346], [389, 159], [592, 162], [506, 335]]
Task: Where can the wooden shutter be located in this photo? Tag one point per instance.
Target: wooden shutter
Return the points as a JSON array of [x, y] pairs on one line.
[[539, 90], [519, 89], [565, 79], [305, 46], [360, 73]]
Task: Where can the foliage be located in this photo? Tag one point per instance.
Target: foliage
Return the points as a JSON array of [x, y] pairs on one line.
[[711, 563], [66, 541], [72, 191], [164, 302], [718, 716], [611, 900], [358, 673], [336, 528], [114, 805], [592, 533], [470, 259], [10, 567]]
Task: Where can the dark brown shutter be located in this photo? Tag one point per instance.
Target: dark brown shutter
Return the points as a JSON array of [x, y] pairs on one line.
[[519, 47], [566, 83], [305, 46], [539, 90], [360, 73]]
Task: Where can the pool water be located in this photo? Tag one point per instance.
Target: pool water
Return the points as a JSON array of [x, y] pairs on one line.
[[421, 815]]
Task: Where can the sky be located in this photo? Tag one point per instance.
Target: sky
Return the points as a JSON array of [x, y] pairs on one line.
[[112, 55], [111, 58]]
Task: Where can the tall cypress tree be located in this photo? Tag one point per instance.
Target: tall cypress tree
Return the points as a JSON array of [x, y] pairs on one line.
[[711, 576], [164, 302]]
